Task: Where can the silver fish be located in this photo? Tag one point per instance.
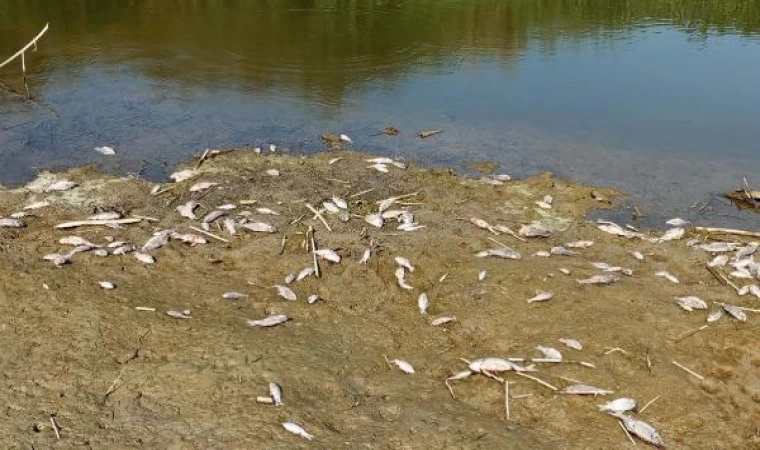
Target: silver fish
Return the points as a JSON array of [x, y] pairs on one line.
[[270, 321], [59, 186], [504, 253], [75, 241], [157, 241], [718, 247], [579, 244], [541, 297], [305, 272], [182, 175], [230, 226], [482, 275], [550, 353], [583, 389], [187, 209], [410, 227], [667, 275], [123, 249], [619, 406], [572, 343], [543, 205], [691, 303], [144, 258], [600, 279], [495, 365], [108, 215], [405, 263], [234, 295], [328, 255], [331, 207], [642, 430], [37, 205], [423, 303], [542, 254], [379, 167], [56, 259], [339, 202], [714, 316], [213, 215], [534, 230], [313, 298], [561, 251], [259, 227], [677, 222], [289, 278], [401, 278], [178, 314], [273, 172], [11, 223], [298, 430], [275, 391], [285, 292], [202, 186], [482, 224], [365, 256], [617, 230], [227, 207], [375, 219], [19, 215], [564, 270], [267, 212], [101, 252], [637, 255], [189, 238], [735, 312], [749, 250], [671, 235], [403, 366], [718, 261], [442, 320]]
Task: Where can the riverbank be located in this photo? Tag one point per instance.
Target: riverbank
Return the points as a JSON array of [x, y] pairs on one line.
[[116, 370]]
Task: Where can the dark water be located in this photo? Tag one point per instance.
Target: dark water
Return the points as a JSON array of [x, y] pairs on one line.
[[661, 98]]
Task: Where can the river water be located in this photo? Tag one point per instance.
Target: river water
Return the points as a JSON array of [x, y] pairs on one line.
[[659, 98]]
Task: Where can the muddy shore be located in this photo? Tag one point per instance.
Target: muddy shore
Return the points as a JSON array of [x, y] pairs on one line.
[[113, 376]]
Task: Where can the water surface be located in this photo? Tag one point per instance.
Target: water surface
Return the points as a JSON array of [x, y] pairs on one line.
[[659, 98]]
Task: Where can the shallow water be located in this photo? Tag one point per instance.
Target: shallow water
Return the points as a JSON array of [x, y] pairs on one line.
[[659, 98]]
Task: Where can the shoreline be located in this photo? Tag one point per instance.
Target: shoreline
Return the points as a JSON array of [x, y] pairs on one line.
[[76, 338]]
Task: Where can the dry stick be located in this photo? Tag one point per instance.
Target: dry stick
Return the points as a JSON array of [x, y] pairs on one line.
[[359, 194], [24, 49], [282, 245], [537, 380], [649, 403], [55, 427], [319, 216], [728, 231], [113, 387], [721, 278], [691, 333], [506, 399], [209, 234], [494, 240], [83, 223], [314, 252], [625, 430], [689, 371]]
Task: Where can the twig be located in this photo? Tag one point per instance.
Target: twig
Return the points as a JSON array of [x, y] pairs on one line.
[[145, 218], [615, 349], [282, 245], [113, 387], [537, 380], [359, 194], [55, 427], [494, 240], [319, 216], [691, 333], [506, 399], [209, 234], [620, 422], [24, 49], [145, 308], [689, 371], [314, 252], [728, 231], [84, 223], [390, 366], [649, 403]]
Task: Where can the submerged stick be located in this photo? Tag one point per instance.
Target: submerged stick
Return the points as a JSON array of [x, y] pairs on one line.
[[32, 43]]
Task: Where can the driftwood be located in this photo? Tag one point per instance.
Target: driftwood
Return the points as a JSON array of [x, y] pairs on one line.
[[32, 43]]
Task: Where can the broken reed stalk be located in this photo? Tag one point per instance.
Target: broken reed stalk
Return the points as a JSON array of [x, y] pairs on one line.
[[32, 43], [728, 231], [687, 370]]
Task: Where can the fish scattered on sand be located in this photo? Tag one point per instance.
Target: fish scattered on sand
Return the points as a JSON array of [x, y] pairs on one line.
[[403, 366], [618, 406], [600, 279], [270, 321], [541, 297], [297, 430], [571, 343], [285, 292], [642, 430]]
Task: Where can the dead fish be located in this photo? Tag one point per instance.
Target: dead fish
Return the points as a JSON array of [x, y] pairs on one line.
[[272, 148], [57, 259], [11, 223], [187, 209], [617, 230], [379, 167], [328, 255], [123, 249], [667, 275], [405, 263], [375, 219], [442, 320], [482, 275], [534, 230], [482, 224], [619, 406], [108, 215], [718, 247], [36, 205], [59, 186], [714, 316], [579, 244], [313, 298], [298, 430], [365, 256], [637, 255], [642, 430], [423, 303], [334, 160], [504, 253], [671, 235], [386, 161], [202, 186], [583, 389], [741, 273], [405, 217], [564, 270], [550, 353], [270, 321], [677, 222], [410, 227], [754, 290], [339, 202], [230, 226], [735, 312], [600, 279], [289, 278], [424, 134], [401, 278], [561, 251], [19, 215], [331, 207], [234, 295], [178, 314], [107, 285], [144, 258], [227, 207], [718, 261], [541, 297], [403, 366], [101, 252], [542, 254], [212, 216], [572, 343], [393, 214], [495, 365], [691, 303], [259, 227], [273, 172], [267, 212], [75, 241], [275, 391], [182, 175], [305, 272], [285, 292], [157, 241]]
